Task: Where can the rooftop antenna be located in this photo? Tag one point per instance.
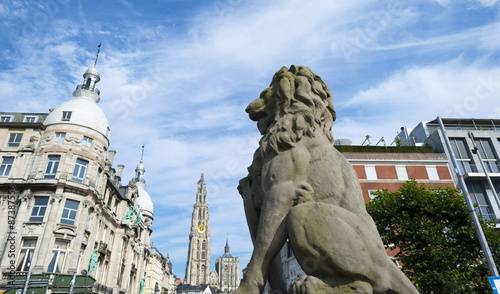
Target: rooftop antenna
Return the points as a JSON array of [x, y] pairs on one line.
[[142, 155], [97, 54]]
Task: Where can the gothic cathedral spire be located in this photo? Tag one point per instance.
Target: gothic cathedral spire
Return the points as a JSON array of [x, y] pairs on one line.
[[198, 261]]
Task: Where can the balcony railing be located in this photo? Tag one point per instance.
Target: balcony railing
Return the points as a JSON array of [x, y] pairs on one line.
[[465, 167], [489, 216], [86, 87], [492, 166]]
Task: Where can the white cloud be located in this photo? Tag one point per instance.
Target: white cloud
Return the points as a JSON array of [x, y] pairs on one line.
[[443, 2], [449, 89], [488, 3]]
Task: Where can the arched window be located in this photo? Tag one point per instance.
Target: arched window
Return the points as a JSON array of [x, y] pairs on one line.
[[204, 245]]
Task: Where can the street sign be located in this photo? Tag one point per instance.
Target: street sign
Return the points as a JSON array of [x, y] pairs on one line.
[[495, 284]]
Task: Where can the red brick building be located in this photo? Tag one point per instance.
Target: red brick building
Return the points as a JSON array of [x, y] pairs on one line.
[[390, 170], [389, 167]]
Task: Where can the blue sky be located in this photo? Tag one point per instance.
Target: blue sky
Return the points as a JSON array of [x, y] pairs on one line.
[[176, 75]]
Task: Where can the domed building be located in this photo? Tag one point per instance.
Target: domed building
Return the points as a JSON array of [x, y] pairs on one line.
[[63, 200]]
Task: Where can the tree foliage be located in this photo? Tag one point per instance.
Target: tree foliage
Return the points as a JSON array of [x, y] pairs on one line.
[[432, 228]]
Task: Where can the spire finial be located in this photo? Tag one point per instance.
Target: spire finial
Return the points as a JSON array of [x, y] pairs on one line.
[[97, 54], [140, 170]]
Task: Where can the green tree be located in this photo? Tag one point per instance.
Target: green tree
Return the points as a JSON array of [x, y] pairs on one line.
[[432, 228]]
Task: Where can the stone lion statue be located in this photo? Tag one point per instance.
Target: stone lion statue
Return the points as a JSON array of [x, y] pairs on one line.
[[302, 189]]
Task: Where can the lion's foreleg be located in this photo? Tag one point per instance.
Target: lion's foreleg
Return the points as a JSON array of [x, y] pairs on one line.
[[271, 233], [250, 213], [275, 276]]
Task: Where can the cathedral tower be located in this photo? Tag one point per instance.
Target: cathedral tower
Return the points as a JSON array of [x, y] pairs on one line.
[[198, 261], [228, 269]]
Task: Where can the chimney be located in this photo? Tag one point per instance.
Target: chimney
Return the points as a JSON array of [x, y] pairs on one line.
[[120, 170], [111, 156]]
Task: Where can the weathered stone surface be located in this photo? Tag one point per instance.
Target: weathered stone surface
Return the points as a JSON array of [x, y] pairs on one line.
[[313, 285], [299, 187]]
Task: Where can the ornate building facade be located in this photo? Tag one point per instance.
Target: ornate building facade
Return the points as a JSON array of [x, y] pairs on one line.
[[63, 200], [198, 261], [159, 276]]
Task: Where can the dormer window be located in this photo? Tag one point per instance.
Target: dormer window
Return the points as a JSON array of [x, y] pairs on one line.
[[6, 118], [30, 119], [66, 116]]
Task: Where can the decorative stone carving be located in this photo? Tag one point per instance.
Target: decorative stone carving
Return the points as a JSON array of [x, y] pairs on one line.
[[57, 197], [86, 235], [73, 140], [148, 222], [33, 139], [26, 195], [34, 227], [88, 204], [30, 147], [130, 233], [131, 190], [32, 175], [65, 231], [47, 138], [300, 187], [98, 149]]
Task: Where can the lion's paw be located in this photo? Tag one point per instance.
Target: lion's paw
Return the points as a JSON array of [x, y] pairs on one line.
[[313, 285], [304, 193]]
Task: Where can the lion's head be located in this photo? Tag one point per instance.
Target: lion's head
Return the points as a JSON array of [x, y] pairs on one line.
[[297, 103]]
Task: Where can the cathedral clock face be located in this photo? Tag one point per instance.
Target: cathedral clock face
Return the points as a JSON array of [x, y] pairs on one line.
[[201, 229]]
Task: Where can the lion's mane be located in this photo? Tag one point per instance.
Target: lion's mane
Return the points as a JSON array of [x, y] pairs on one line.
[[301, 103]]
